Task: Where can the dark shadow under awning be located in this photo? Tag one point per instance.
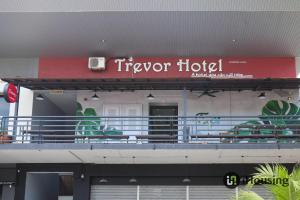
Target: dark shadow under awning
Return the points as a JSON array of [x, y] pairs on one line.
[[157, 84]]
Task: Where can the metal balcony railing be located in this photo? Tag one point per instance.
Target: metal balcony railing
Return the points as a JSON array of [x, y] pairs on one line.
[[150, 129]]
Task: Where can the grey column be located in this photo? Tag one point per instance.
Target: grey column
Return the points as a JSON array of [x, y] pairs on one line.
[[184, 109]]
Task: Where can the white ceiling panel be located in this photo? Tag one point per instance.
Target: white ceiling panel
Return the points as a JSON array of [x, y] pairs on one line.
[[146, 5], [150, 34]]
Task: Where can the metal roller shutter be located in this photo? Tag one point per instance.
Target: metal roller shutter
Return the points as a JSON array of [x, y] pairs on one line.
[[210, 192], [221, 192], [113, 192], [161, 192]]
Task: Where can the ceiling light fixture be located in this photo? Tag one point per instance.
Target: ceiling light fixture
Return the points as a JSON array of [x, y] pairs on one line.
[[150, 96], [103, 180], [82, 176], [186, 180], [39, 97], [132, 180], [262, 96], [95, 97]]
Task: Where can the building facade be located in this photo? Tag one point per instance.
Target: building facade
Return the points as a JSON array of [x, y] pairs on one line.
[[119, 134], [150, 104]]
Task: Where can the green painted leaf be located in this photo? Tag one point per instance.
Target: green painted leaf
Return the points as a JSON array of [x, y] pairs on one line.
[[90, 112], [78, 106], [285, 107], [79, 113], [275, 107], [293, 109], [247, 131], [279, 113], [90, 123], [266, 111], [90, 115]]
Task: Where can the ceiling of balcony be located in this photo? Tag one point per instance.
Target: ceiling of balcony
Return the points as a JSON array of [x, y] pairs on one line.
[[149, 28]]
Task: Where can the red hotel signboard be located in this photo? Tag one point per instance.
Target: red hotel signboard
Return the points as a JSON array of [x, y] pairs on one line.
[[159, 67]]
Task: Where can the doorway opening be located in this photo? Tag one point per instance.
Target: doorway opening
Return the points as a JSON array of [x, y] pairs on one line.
[[163, 123], [49, 185]]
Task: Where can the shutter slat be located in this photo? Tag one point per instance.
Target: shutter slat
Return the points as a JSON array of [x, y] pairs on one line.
[[113, 192]]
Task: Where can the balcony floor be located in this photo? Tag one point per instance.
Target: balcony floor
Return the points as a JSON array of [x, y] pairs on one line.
[[149, 153]]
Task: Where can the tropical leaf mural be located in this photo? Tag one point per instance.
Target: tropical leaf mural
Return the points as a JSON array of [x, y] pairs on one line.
[[275, 112], [89, 123], [284, 112]]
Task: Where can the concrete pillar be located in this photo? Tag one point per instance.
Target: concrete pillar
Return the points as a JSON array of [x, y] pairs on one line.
[[298, 72], [184, 111], [297, 59]]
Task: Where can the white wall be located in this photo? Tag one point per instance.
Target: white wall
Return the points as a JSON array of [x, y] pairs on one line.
[[244, 103], [137, 97], [25, 102], [226, 103], [25, 108]]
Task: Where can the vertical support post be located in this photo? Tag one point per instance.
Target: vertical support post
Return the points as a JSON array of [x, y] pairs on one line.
[[81, 187], [187, 192], [184, 111], [137, 192], [16, 112]]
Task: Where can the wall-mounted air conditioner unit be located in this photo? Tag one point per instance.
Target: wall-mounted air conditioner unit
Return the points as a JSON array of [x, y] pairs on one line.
[[96, 63]]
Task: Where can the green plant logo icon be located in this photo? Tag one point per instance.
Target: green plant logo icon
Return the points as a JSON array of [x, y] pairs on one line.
[[231, 180]]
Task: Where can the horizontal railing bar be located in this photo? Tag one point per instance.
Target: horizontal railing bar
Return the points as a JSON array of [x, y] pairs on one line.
[[208, 117], [247, 136], [158, 136], [237, 126], [153, 130], [62, 130], [146, 120], [149, 130]]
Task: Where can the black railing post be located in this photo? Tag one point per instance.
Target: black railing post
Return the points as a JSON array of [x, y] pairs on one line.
[[40, 134]]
